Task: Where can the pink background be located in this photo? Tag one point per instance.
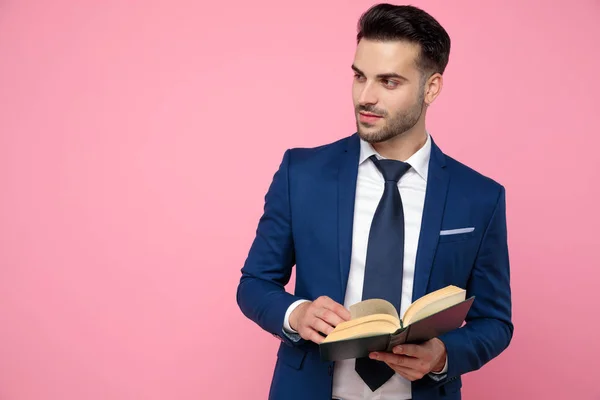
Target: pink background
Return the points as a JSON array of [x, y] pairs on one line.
[[137, 142]]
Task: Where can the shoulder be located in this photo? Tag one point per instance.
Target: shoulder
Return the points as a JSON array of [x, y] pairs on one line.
[[319, 156], [472, 183], [322, 150]]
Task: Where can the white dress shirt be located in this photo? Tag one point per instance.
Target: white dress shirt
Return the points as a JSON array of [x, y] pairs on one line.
[[347, 384]]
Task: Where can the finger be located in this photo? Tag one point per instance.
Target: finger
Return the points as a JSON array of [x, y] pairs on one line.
[[387, 358], [321, 326], [410, 378], [399, 360], [337, 308], [328, 316], [407, 373], [316, 337], [411, 350], [310, 334]]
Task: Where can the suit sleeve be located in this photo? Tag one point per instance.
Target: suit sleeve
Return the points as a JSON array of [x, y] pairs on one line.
[[488, 329], [261, 293]]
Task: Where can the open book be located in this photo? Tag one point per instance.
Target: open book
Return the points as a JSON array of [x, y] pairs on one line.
[[376, 326]]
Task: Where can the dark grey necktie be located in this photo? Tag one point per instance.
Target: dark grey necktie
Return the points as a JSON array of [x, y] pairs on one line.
[[384, 262]]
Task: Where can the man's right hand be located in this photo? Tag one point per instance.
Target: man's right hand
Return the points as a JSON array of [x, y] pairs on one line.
[[321, 315]]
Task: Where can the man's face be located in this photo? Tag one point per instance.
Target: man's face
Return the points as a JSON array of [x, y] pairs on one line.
[[387, 89]]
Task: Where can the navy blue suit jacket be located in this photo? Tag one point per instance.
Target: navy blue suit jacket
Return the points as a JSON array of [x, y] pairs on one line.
[[307, 222]]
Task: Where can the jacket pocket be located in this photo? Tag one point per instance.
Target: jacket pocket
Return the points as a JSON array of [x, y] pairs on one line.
[[292, 356], [457, 237]]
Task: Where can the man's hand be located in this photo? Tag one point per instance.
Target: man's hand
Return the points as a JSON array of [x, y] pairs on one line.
[[414, 361], [321, 315]]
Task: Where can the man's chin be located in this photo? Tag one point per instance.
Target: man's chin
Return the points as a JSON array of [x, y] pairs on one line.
[[372, 136]]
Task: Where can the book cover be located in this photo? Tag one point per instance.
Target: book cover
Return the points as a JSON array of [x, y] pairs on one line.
[[419, 331]]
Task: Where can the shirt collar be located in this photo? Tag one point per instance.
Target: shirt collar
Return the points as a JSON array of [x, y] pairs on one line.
[[419, 161]]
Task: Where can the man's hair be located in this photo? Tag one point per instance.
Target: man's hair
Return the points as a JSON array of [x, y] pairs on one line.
[[387, 22]]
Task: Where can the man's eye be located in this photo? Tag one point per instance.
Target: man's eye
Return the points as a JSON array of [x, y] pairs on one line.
[[390, 83]]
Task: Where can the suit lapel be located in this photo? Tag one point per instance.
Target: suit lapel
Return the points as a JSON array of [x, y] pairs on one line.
[[433, 212], [348, 171]]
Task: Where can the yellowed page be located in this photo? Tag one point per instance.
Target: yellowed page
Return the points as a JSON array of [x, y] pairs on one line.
[[364, 326], [433, 303], [371, 307]]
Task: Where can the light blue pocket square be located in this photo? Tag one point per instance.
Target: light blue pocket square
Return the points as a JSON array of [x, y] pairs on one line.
[[456, 231]]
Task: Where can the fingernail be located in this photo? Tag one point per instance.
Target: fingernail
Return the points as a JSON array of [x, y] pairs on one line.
[[399, 349], [373, 355]]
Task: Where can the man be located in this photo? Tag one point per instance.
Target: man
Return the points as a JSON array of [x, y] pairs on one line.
[[381, 213]]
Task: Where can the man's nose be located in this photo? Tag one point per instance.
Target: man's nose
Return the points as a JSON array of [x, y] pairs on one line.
[[367, 95]]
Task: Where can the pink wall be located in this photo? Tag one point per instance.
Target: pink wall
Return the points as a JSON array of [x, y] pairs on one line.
[[137, 142]]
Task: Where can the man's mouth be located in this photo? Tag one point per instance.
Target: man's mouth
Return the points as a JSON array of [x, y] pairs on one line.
[[369, 118]]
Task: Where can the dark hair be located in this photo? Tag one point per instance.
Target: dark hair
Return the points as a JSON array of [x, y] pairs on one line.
[[383, 22]]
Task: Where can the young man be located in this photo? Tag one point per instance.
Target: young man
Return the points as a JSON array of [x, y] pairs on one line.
[[381, 213]]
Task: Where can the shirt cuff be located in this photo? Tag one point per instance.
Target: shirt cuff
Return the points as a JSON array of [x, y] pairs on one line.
[[287, 329], [439, 375]]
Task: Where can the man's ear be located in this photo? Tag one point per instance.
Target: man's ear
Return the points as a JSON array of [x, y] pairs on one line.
[[433, 88]]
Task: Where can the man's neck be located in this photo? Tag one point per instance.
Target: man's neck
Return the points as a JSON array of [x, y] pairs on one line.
[[403, 146]]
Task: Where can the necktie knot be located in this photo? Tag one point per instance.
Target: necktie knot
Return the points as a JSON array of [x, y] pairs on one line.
[[392, 170]]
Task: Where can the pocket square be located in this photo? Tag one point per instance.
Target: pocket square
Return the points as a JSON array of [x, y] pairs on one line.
[[456, 231]]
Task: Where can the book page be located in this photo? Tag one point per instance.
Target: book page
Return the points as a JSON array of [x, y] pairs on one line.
[[370, 325], [433, 303], [372, 306]]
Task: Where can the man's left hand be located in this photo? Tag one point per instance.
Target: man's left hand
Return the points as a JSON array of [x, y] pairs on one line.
[[414, 361]]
